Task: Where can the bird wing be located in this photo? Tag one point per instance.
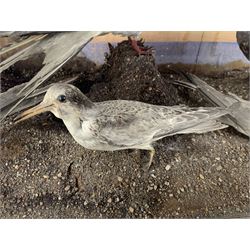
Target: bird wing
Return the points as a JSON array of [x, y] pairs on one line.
[[239, 115], [185, 120], [18, 44], [153, 122], [8, 99], [214, 96], [126, 130], [58, 49]]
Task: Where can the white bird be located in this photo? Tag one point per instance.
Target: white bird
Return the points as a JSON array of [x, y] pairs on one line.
[[121, 124]]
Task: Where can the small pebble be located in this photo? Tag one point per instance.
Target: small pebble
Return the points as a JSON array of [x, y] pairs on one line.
[[170, 195], [167, 167], [119, 179], [109, 200], [46, 177], [182, 189], [85, 203], [67, 188], [131, 210], [152, 175], [220, 180], [202, 177], [16, 166], [219, 168], [59, 175]]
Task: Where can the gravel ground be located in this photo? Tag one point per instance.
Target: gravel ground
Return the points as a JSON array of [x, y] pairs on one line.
[[44, 173]]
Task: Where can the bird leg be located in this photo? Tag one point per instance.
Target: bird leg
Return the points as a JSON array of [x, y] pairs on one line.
[[138, 48], [148, 159], [151, 156]]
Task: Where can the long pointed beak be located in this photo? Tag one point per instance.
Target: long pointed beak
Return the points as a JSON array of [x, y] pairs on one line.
[[40, 108]]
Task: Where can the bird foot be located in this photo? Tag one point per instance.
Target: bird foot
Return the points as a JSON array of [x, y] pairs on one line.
[[139, 48]]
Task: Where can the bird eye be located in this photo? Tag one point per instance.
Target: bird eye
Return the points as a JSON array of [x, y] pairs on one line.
[[61, 98]]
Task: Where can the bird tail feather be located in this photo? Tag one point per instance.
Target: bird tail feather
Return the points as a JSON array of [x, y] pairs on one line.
[[209, 126]]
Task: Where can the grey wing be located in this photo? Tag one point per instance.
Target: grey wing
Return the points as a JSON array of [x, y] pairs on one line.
[[58, 49], [17, 34], [186, 120], [137, 128], [8, 99], [127, 33], [211, 94], [239, 116], [126, 130]]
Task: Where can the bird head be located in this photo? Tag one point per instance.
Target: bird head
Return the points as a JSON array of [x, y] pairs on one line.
[[63, 100]]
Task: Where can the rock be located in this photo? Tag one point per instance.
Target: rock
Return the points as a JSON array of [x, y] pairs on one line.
[[219, 168], [168, 167], [16, 166], [131, 210], [202, 177], [238, 209]]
